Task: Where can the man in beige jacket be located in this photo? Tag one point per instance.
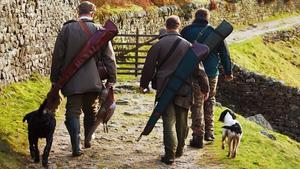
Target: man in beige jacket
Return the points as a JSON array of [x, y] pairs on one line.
[[175, 116], [83, 88]]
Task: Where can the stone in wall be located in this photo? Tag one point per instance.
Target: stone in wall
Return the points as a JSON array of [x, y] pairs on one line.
[[27, 34], [283, 35]]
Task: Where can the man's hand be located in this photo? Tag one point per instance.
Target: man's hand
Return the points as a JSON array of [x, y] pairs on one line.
[[228, 77], [109, 85]]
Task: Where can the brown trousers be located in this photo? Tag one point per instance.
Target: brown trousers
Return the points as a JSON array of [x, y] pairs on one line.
[[203, 111]]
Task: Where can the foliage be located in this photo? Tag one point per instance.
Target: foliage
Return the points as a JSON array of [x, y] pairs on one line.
[[142, 3], [255, 150], [280, 59]]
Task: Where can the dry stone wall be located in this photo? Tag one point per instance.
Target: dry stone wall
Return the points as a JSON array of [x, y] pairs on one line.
[[283, 35], [28, 27], [241, 13], [27, 33]]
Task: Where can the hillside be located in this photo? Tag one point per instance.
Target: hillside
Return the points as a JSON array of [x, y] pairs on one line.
[[279, 59]]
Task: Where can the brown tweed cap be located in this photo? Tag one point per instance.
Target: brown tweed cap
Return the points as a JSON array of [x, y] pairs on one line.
[[86, 7]]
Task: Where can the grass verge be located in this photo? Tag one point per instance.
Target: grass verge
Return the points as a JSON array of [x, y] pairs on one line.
[[16, 100], [255, 151]]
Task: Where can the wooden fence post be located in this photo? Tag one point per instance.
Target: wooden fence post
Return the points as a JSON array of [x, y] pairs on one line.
[[137, 51]]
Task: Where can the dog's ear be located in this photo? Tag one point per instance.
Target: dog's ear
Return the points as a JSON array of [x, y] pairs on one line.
[[222, 116], [232, 114], [28, 117]]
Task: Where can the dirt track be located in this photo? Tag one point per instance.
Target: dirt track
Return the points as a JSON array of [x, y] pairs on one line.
[[262, 28]]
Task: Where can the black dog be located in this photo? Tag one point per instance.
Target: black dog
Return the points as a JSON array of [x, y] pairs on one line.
[[41, 124]]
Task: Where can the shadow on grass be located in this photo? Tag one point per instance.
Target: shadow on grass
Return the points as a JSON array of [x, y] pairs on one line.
[[9, 159]]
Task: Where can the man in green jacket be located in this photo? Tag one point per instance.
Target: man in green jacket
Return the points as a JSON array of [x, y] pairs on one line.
[[221, 54], [175, 118], [83, 89]]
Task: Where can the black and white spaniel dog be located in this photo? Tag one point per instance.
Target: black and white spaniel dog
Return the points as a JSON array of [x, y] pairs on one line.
[[232, 130]]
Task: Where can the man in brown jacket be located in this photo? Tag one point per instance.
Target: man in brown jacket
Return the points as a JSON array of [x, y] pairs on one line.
[[176, 113], [83, 88]]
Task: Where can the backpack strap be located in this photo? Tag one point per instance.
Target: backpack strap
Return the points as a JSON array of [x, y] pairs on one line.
[[201, 33], [171, 51]]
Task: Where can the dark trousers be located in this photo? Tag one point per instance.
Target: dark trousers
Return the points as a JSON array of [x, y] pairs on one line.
[[87, 103]]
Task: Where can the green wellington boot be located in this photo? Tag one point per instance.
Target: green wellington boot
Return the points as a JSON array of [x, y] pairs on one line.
[[73, 126]]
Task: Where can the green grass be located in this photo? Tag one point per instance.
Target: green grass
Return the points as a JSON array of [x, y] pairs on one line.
[[107, 10], [126, 78], [255, 150], [279, 60], [16, 100]]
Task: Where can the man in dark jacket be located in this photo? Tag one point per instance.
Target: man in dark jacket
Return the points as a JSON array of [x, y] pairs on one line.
[[176, 113], [83, 88], [191, 32]]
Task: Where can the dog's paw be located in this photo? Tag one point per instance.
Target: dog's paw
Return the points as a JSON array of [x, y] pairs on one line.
[[233, 155], [223, 146], [228, 155]]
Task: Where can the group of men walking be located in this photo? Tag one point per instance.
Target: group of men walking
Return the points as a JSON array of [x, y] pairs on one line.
[[199, 90], [197, 94]]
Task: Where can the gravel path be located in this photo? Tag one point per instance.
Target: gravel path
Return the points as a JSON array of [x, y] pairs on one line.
[[262, 28]]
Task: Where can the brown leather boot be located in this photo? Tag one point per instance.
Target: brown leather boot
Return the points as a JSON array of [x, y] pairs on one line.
[[196, 142], [167, 160], [179, 152], [87, 140], [209, 137]]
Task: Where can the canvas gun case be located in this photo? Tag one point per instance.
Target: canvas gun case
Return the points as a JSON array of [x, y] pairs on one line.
[[184, 69]]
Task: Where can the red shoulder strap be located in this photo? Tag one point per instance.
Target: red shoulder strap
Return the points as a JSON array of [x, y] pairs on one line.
[[85, 28]]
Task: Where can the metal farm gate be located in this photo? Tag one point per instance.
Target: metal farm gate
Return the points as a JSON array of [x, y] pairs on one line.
[[131, 51]]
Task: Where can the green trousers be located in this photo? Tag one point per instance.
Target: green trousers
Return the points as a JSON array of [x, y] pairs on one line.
[[175, 129]]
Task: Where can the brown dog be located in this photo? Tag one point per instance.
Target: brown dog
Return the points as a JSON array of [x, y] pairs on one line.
[[232, 130]]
